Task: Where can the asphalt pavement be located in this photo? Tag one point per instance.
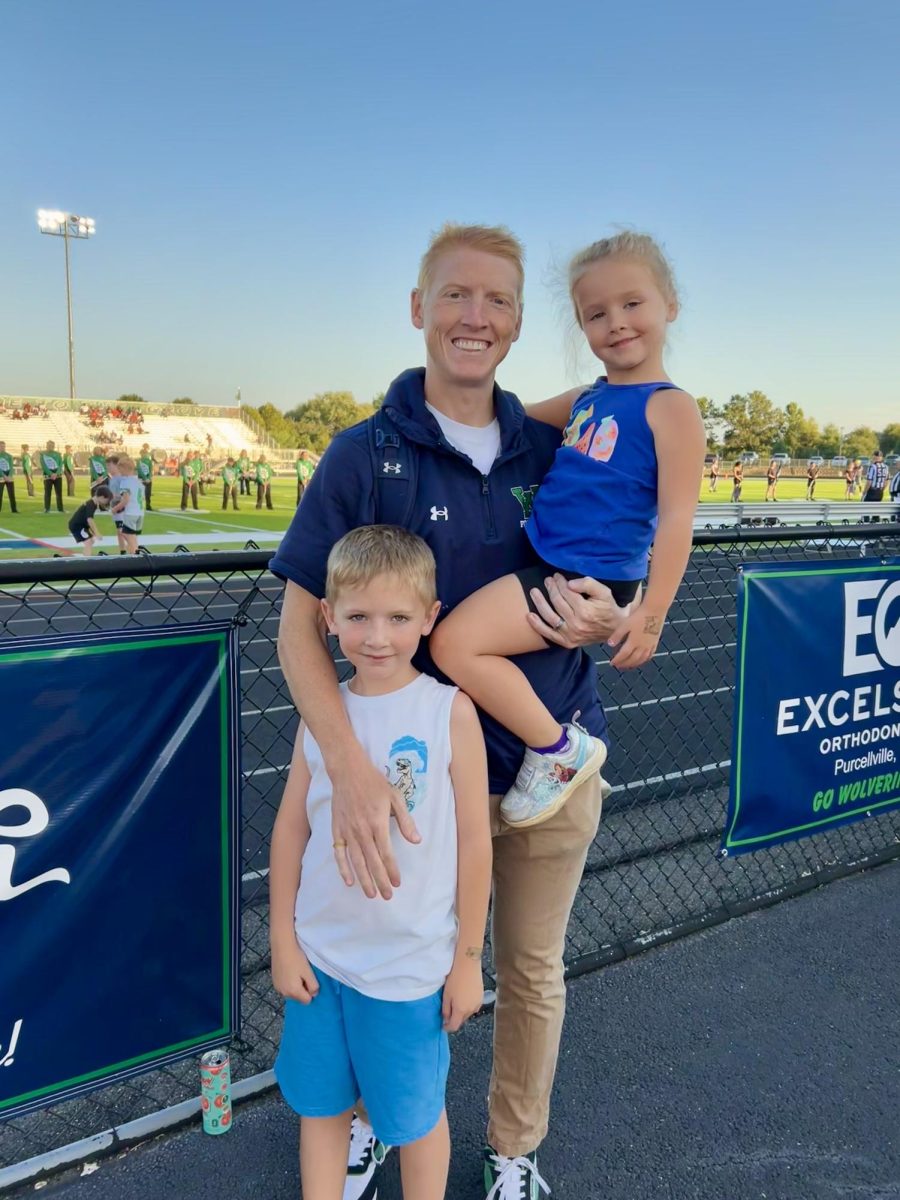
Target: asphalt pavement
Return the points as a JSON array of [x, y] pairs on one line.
[[758, 1060]]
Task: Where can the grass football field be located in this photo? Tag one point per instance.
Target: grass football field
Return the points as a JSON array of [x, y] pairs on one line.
[[32, 533]]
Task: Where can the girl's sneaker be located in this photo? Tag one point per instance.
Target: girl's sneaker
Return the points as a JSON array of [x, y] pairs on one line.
[[367, 1154], [546, 781]]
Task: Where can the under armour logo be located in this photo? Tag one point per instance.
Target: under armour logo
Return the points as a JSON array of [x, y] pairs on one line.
[[390, 468], [439, 513]]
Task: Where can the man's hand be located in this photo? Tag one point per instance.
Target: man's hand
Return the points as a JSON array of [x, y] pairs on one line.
[[463, 992], [292, 974], [587, 610], [638, 636], [362, 804]]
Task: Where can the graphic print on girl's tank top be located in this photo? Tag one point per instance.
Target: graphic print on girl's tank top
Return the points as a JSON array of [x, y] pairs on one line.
[[588, 438]]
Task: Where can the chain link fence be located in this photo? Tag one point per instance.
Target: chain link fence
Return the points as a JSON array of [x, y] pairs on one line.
[[652, 872]]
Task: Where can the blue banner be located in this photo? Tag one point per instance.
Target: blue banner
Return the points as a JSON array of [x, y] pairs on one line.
[[817, 700], [119, 856]]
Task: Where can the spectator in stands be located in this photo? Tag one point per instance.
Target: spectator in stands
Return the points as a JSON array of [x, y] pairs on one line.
[[264, 475], [876, 478], [229, 482], [243, 463], [209, 443], [7, 482], [27, 471], [306, 464], [144, 467], [50, 461], [68, 463], [188, 481]]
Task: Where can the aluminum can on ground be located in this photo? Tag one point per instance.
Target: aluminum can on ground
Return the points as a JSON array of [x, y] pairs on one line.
[[215, 1091]]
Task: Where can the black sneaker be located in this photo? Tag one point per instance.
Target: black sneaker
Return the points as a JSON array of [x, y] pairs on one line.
[[366, 1155], [512, 1178]]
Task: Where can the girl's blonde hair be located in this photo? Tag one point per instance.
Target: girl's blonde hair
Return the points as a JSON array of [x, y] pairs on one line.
[[490, 239], [626, 244], [365, 553]]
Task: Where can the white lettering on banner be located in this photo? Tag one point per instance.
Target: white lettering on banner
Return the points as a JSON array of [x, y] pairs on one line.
[[863, 703], [8, 1059], [857, 625], [38, 820]]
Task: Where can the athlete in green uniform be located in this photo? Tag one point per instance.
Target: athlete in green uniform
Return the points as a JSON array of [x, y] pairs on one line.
[[229, 481], [97, 467], [305, 465], [188, 482], [50, 461], [264, 475], [27, 471], [69, 470], [7, 483], [199, 471], [144, 466], [243, 463]]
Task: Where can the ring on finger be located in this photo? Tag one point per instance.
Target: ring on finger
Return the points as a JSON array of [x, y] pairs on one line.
[[560, 623], [340, 844]]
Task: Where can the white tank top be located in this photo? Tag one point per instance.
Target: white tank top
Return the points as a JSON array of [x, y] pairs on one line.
[[402, 948]]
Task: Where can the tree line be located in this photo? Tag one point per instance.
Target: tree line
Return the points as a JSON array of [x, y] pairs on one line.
[[314, 423], [753, 422]]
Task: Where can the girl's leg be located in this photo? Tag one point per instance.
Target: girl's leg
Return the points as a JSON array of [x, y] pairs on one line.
[[424, 1164], [471, 646], [324, 1143]]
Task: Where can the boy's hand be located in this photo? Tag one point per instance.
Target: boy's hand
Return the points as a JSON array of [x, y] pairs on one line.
[[463, 993], [292, 974], [639, 636]]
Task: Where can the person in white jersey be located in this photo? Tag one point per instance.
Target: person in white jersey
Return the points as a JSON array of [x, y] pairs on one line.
[[129, 505], [372, 990]]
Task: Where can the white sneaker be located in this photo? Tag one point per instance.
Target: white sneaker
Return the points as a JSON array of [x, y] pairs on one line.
[[546, 781], [512, 1178], [366, 1155]]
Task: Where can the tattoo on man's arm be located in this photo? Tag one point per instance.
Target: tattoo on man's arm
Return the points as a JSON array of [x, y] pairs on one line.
[[652, 624], [473, 952]]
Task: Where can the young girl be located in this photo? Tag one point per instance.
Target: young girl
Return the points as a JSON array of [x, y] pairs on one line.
[[627, 475], [812, 474], [772, 479]]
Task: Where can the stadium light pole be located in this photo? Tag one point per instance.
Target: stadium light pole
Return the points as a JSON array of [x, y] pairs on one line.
[[66, 225]]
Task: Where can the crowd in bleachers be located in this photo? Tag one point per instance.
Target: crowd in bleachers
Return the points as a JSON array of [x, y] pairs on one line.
[[23, 412]]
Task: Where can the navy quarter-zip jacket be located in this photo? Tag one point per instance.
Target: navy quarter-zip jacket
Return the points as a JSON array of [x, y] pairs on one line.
[[474, 526]]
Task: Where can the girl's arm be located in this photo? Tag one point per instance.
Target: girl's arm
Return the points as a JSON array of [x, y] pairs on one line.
[[464, 989], [291, 973], [680, 441], [557, 409]]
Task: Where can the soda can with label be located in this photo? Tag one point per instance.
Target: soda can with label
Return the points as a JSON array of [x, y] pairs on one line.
[[215, 1091]]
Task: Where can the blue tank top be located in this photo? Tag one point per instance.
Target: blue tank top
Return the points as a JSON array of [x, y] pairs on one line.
[[596, 511]]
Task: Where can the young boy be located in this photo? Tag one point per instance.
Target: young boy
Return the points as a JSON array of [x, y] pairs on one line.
[[373, 988], [129, 506], [81, 526], [113, 483]]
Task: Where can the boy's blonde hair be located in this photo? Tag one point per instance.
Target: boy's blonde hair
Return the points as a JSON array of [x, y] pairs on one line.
[[372, 550], [626, 244], [126, 465], [490, 239]]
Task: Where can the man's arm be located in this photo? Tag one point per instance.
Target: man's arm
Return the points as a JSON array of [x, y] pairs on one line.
[[362, 800]]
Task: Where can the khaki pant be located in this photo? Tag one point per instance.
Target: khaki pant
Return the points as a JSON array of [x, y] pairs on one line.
[[536, 876]]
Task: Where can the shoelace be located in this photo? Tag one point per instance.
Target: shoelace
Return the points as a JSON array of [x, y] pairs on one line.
[[512, 1178], [361, 1137]]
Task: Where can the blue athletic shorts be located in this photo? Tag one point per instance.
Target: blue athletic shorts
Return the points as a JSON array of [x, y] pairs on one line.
[[343, 1046]]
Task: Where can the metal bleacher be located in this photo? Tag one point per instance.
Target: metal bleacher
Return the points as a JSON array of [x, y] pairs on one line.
[[794, 512]]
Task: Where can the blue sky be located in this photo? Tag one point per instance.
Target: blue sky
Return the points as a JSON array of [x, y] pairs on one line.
[[264, 179]]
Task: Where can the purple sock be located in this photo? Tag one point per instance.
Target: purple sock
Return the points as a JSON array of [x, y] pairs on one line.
[[556, 748]]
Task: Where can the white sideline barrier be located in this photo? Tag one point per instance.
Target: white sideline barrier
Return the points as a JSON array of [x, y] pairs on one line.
[[793, 512]]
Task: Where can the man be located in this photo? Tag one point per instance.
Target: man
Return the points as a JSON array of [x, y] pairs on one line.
[[99, 476], [243, 463], [144, 466], [51, 468], [479, 459], [7, 482], [876, 478], [188, 481], [68, 462], [229, 484]]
